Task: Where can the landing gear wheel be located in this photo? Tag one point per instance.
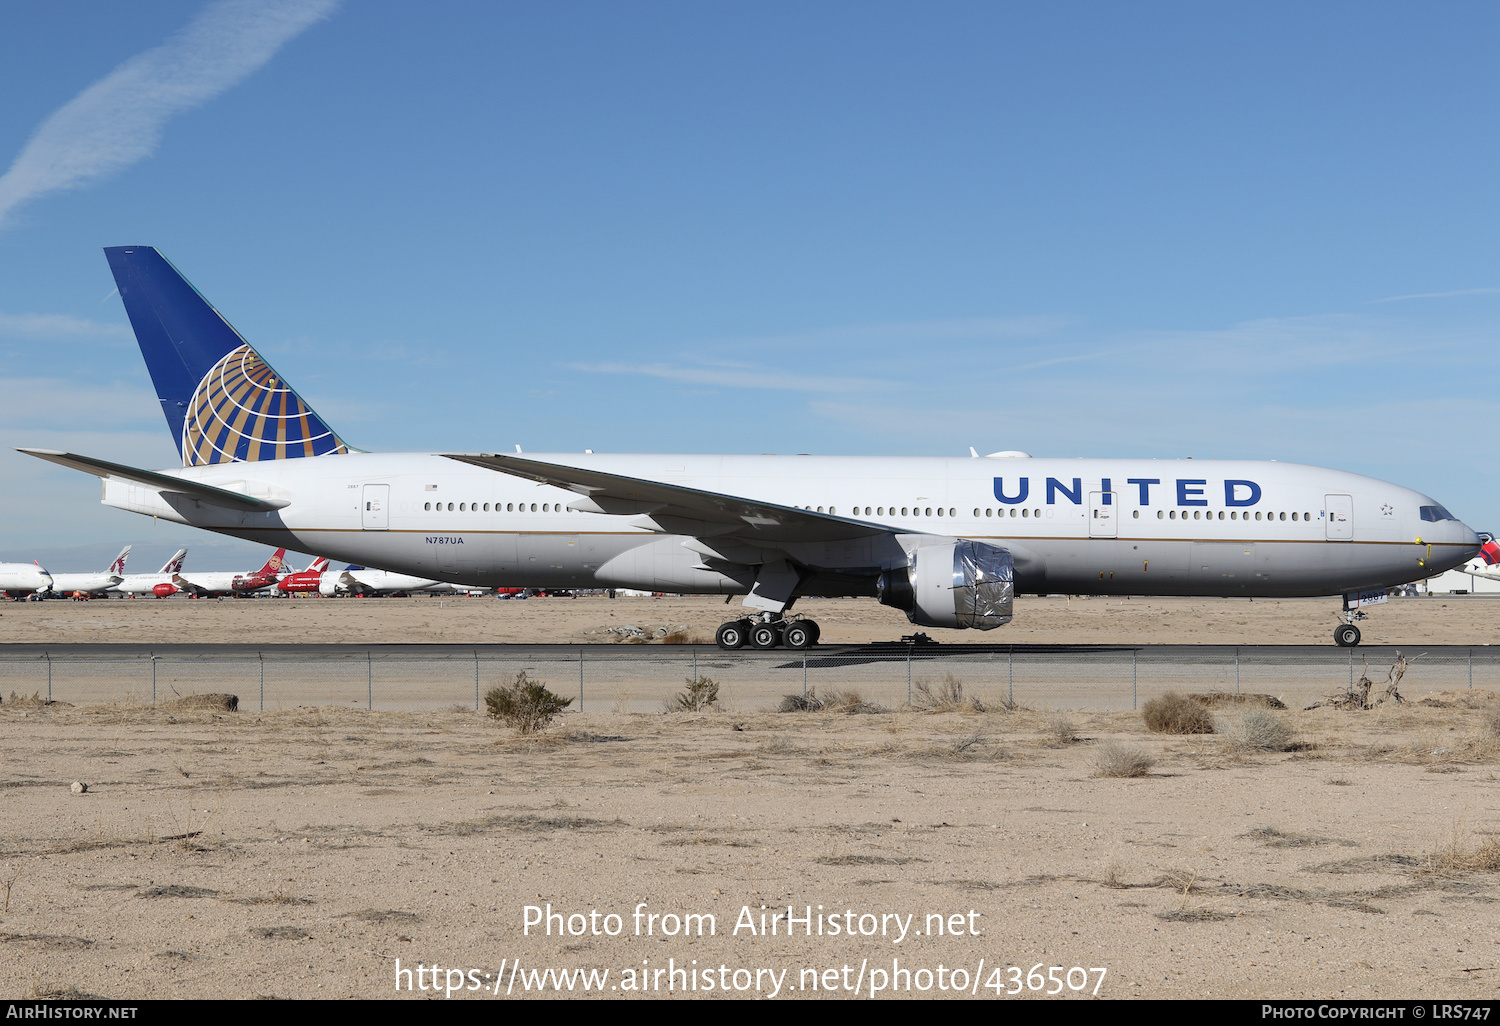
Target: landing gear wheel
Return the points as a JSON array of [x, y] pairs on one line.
[[732, 635], [817, 631], [765, 635], [799, 634], [1346, 635]]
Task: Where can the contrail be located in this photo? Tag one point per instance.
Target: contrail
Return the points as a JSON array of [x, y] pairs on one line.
[[119, 119]]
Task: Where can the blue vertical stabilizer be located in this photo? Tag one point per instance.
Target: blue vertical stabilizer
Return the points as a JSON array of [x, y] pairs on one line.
[[222, 401]]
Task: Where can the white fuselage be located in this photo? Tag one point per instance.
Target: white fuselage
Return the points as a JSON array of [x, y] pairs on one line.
[[67, 584], [23, 578], [1080, 526], [141, 584], [374, 582], [1479, 568]]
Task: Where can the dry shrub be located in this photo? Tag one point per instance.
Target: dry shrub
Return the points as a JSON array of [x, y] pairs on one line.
[[1174, 714], [848, 702], [212, 703], [1361, 696], [1461, 854], [526, 705], [1116, 760], [1256, 730], [1062, 730], [701, 693], [1491, 724], [947, 696], [794, 702], [1215, 699]]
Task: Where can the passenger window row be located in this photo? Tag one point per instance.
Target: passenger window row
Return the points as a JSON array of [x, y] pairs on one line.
[[1199, 514], [510, 507], [881, 511]]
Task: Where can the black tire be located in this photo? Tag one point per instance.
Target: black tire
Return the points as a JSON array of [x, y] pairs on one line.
[[817, 632], [765, 636], [731, 635], [799, 634], [1346, 635]]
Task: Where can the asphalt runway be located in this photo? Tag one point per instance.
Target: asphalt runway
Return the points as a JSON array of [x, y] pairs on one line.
[[645, 678]]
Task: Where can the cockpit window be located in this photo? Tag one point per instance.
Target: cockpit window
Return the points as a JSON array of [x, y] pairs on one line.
[[1436, 513]]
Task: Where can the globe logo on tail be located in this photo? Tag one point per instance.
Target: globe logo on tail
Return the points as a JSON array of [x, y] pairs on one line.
[[242, 411]]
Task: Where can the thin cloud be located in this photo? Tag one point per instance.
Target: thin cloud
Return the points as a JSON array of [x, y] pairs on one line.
[[119, 119], [29, 402], [738, 376], [57, 327], [1440, 295]]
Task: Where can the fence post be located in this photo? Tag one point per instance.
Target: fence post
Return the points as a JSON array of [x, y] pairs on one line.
[[1134, 700], [908, 675], [49, 674], [261, 656], [476, 680], [369, 682], [1010, 680], [580, 680], [1236, 669], [804, 673], [153, 678], [695, 662], [1471, 675], [1351, 671]]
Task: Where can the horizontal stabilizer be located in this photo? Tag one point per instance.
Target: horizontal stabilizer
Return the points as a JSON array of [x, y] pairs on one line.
[[158, 481]]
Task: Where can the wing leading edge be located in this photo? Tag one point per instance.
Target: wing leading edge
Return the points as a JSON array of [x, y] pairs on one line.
[[676, 509]]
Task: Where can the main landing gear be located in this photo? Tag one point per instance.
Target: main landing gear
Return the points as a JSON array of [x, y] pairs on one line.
[[767, 634]]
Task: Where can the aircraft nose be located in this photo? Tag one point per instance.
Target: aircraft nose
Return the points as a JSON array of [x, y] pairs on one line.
[[1470, 540]]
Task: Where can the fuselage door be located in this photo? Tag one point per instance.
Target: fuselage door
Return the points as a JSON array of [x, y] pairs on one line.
[[1340, 509], [375, 515], [1102, 507]]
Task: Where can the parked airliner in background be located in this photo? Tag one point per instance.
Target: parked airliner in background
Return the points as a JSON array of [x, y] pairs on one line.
[[91, 584], [230, 583], [147, 584], [1487, 563], [948, 541], [304, 580], [356, 580], [20, 580]]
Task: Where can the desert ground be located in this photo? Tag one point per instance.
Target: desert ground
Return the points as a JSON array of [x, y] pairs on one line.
[[1457, 620], [303, 852]]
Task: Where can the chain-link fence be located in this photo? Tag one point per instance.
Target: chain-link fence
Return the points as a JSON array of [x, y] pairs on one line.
[[648, 680]]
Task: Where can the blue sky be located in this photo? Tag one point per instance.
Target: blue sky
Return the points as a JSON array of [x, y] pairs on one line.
[[1074, 229]]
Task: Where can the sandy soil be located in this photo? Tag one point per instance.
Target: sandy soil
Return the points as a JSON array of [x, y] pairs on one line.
[[302, 853], [1435, 621]]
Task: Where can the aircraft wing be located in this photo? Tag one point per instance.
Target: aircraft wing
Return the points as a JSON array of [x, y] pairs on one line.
[[675, 509], [157, 480]]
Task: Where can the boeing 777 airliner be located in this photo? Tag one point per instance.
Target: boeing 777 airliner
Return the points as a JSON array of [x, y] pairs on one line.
[[948, 541]]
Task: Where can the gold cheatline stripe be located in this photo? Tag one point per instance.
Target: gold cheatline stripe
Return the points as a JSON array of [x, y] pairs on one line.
[[649, 534]]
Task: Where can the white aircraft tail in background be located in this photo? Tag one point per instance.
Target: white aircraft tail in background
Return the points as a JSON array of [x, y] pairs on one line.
[[147, 584], [91, 584]]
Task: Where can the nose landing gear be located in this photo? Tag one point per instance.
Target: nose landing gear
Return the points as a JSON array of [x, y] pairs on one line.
[[1346, 635]]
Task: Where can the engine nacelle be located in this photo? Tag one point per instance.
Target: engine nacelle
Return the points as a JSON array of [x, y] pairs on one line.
[[163, 590], [954, 584], [328, 585]]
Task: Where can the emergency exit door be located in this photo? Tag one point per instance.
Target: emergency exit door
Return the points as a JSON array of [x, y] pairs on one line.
[[375, 515]]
